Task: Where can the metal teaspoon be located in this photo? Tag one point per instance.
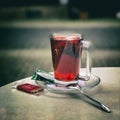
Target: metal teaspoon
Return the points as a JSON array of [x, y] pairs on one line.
[[96, 102]]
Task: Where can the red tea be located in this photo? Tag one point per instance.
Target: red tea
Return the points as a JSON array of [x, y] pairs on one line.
[[66, 57]]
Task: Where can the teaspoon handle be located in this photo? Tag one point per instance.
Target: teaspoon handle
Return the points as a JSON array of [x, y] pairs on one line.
[[99, 104]]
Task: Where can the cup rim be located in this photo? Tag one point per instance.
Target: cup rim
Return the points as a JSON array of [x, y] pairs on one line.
[[67, 35]]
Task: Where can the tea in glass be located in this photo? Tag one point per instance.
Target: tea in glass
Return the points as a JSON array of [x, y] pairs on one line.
[[66, 54]]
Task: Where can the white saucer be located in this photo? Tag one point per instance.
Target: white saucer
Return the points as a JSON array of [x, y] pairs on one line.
[[85, 85]]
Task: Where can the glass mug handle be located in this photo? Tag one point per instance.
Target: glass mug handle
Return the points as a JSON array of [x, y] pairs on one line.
[[87, 46]]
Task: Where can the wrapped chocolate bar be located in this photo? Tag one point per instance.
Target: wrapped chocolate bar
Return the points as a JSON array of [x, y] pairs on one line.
[[43, 76]]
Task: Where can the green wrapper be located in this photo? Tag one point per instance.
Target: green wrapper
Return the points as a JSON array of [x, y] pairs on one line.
[[43, 76]]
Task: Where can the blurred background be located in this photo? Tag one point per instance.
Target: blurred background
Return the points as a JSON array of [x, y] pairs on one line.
[[25, 26]]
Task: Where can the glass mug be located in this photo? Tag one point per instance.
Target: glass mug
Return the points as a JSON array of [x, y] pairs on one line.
[[66, 50]]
